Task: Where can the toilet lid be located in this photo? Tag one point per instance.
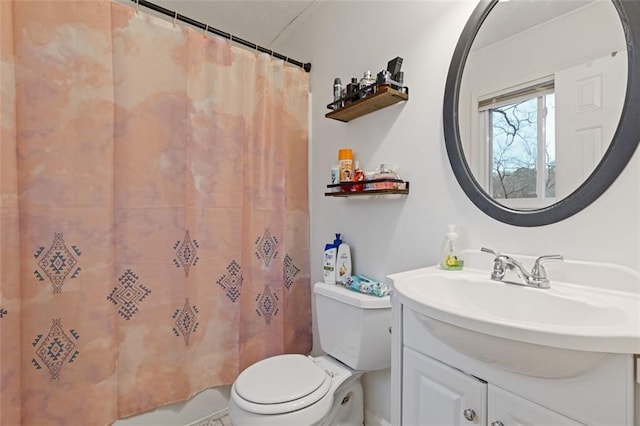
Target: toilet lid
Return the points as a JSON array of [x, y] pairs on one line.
[[281, 379]]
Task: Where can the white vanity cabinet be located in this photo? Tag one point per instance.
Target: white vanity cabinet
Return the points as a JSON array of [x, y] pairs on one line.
[[505, 408], [433, 383], [435, 394], [516, 354]]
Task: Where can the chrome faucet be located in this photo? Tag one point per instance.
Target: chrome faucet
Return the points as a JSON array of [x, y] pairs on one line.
[[504, 266]]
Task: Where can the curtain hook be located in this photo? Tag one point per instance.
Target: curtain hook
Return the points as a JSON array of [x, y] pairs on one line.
[[175, 18], [206, 28], [137, 6]]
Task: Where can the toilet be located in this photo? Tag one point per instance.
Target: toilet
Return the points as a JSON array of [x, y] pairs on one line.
[[298, 390]]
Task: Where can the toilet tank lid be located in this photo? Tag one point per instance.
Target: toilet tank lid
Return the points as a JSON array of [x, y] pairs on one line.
[[350, 297]]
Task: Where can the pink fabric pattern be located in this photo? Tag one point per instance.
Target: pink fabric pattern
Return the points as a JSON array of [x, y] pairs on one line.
[[154, 224]]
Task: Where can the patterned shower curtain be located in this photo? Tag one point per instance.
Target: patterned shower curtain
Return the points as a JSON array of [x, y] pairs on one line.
[[153, 212]]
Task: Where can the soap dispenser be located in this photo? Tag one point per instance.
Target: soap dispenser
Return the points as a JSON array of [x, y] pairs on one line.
[[449, 257]]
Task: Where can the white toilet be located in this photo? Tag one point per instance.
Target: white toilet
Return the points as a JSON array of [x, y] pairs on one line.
[[298, 390]]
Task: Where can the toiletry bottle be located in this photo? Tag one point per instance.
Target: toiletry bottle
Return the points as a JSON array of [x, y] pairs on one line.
[[365, 81], [354, 89], [399, 78], [358, 176], [382, 80], [329, 261], [345, 161], [335, 174], [449, 257], [334, 183], [343, 263], [337, 92]]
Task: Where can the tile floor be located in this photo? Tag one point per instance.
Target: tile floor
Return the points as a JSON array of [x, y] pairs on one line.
[[223, 421]]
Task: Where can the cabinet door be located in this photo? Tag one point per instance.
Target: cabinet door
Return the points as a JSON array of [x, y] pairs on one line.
[[434, 394], [507, 409]]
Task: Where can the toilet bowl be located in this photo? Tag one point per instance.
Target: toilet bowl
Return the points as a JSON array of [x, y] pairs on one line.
[[304, 391], [298, 390]]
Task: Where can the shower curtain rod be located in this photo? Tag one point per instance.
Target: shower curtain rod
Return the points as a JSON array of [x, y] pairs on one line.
[[175, 15]]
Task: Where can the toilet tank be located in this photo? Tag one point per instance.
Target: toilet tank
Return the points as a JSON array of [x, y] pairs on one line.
[[353, 327]]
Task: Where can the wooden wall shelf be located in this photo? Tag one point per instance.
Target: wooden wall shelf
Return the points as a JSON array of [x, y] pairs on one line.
[[383, 97], [368, 192], [345, 186]]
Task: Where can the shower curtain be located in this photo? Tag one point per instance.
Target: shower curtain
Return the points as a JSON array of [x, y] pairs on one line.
[[153, 212]]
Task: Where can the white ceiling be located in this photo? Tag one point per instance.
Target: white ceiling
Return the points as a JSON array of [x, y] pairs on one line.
[[511, 17], [264, 21], [256, 21]]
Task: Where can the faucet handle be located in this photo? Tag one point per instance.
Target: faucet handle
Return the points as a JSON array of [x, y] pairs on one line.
[[538, 270], [538, 276], [493, 252]]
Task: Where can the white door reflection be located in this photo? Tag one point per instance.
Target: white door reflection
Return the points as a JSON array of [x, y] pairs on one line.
[[588, 110]]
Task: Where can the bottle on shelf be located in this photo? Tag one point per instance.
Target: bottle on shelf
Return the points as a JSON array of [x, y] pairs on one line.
[[382, 80], [352, 90], [365, 81], [399, 78], [345, 162], [337, 91], [358, 176]]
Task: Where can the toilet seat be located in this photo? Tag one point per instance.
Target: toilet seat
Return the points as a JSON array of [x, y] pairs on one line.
[[280, 384]]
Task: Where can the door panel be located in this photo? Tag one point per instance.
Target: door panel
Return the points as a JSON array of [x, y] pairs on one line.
[[512, 410], [589, 99], [434, 394]]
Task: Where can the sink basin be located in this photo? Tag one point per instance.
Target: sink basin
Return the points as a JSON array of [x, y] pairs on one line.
[[485, 299], [593, 310]]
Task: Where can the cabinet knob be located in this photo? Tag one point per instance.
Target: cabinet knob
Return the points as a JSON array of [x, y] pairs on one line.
[[470, 414], [497, 423]]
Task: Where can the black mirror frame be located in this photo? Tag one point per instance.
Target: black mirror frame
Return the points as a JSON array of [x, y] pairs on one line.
[[620, 151]]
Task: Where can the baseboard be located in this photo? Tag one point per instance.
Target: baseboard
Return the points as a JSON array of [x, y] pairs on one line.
[[372, 419], [212, 419]]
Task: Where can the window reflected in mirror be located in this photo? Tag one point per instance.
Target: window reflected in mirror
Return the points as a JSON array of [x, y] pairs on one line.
[[521, 154]]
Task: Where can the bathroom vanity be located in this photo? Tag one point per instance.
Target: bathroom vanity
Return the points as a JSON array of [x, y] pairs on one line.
[[470, 350]]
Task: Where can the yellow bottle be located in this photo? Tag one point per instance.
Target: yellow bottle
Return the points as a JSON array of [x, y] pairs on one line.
[[345, 162]]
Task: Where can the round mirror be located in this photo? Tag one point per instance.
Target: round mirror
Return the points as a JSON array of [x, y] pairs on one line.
[[541, 105]]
